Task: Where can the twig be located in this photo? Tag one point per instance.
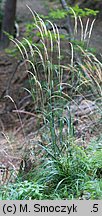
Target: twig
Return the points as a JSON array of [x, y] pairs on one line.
[[26, 112]]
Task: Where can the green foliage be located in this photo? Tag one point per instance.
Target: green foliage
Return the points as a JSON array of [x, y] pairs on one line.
[[23, 190], [78, 45], [30, 31], [61, 14], [94, 189], [95, 151], [57, 14], [83, 12], [70, 174]]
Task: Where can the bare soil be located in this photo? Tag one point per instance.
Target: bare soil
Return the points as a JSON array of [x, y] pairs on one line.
[[13, 131]]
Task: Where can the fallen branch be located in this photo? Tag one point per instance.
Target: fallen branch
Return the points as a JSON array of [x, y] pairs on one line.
[[26, 112]]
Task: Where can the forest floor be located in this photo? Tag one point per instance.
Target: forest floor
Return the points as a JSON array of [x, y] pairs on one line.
[[14, 129]]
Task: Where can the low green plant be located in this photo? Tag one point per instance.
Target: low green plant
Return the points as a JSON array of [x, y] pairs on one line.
[[70, 174], [25, 190]]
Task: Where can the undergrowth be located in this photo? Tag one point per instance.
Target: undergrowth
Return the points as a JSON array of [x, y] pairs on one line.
[[72, 174]]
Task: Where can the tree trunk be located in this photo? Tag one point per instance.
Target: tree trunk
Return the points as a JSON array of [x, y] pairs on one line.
[[8, 21]]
